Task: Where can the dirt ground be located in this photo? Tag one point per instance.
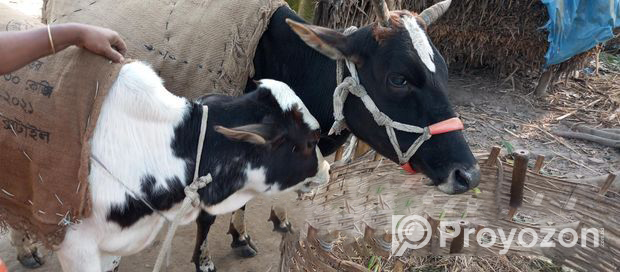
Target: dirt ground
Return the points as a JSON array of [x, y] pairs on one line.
[[496, 114], [500, 112], [264, 238]]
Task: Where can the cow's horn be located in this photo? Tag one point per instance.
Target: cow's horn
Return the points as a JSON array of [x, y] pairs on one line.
[[435, 11], [383, 12]]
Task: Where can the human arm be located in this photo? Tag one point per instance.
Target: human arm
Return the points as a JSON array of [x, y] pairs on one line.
[[22, 47]]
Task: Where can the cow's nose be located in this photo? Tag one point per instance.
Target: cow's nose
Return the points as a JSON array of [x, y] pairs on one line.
[[461, 180], [467, 179]]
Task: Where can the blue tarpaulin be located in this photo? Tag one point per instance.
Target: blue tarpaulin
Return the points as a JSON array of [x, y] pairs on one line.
[[576, 26]]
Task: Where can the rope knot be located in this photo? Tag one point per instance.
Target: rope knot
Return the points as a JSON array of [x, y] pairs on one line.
[[191, 191], [383, 120], [340, 95]]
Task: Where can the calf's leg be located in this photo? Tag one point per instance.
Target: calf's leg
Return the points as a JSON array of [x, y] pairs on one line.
[[79, 253], [28, 253], [202, 259], [241, 244], [279, 218]]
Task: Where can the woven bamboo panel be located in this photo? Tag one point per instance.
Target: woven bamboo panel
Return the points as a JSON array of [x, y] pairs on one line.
[[351, 217]]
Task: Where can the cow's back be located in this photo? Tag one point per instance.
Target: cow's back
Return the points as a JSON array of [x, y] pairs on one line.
[[196, 46]]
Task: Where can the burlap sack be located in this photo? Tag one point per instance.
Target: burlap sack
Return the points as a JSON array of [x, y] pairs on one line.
[[48, 111], [196, 46]]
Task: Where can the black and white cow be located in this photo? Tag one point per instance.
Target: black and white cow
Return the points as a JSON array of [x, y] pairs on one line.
[[403, 73], [145, 143]]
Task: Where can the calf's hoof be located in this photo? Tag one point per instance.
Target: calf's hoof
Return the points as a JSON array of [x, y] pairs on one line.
[[284, 227], [31, 259], [244, 248], [280, 224]]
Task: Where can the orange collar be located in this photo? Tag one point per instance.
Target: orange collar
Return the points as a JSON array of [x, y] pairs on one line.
[[445, 126]]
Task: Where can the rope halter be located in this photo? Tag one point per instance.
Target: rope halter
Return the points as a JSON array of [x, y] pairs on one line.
[[352, 85]]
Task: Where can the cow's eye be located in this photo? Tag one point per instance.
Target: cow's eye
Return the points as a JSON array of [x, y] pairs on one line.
[[311, 145], [397, 81]]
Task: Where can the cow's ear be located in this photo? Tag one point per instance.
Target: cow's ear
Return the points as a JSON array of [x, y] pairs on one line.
[[328, 42], [253, 133]]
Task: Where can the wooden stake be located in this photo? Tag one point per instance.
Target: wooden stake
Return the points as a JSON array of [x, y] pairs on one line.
[[459, 241], [493, 156], [511, 213], [377, 156], [518, 181], [361, 149], [540, 159], [399, 266], [339, 153], [369, 234], [543, 83], [479, 227], [610, 179], [433, 233]]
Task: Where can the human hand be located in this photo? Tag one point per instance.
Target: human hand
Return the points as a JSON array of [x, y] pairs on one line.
[[101, 41]]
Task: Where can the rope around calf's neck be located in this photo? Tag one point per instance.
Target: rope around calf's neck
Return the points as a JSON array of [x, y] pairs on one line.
[[192, 198]]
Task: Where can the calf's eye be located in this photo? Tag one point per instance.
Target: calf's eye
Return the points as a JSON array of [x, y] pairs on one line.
[[397, 81]]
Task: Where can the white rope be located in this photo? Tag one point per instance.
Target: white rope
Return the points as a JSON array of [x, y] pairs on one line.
[[348, 152], [352, 85], [192, 198]]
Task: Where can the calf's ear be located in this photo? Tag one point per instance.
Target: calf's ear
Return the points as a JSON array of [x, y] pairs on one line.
[[253, 133], [328, 42]]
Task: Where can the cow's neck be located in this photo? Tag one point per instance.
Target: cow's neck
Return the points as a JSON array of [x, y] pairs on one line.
[[283, 56]]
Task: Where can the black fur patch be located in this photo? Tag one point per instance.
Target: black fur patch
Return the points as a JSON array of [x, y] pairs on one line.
[[136, 209]]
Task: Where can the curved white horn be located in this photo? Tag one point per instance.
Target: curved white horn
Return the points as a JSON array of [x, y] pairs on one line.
[[383, 12], [435, 11]]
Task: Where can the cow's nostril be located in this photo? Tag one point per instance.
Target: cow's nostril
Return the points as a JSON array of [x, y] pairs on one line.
[[462, 178], [468, 179]]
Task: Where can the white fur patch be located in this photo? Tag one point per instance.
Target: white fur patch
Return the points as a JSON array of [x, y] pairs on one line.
[[420, 42], [321, 177], [254, 185], [231, 203], [286, 98]]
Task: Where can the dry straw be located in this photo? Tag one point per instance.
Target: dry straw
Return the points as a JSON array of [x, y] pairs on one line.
[[500, 36]]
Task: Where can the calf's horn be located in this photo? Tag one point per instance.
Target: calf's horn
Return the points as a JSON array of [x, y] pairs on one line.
[[435, 11], [383, 12]]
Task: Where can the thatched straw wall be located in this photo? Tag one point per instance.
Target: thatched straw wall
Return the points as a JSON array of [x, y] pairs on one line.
[[501, 36]]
